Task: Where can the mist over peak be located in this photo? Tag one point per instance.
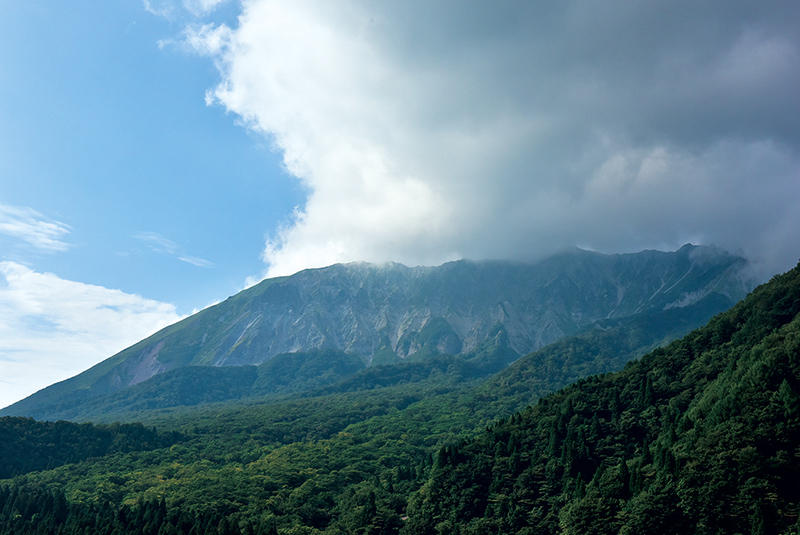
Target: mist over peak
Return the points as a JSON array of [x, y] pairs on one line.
[[429, 133]]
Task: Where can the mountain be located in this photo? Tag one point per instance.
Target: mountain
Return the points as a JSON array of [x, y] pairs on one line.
[[698, 437], [194, 385], [390, 314], [606, 345]]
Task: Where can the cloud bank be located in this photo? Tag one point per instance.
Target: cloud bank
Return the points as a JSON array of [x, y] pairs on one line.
[[51, 328], [430, 131]]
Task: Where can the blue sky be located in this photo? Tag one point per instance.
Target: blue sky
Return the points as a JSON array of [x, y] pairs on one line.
[[106, 140], [158, 155], [105, 131]]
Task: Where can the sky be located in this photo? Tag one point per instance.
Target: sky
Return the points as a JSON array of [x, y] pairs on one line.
[[157, 156]]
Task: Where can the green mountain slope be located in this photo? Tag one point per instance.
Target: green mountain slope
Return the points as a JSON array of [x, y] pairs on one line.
[[195, 385], [342, 462], [699, 437], [604, 346], [391, 314]]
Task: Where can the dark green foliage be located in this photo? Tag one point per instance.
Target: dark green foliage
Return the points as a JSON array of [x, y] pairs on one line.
[[38, 511], [699, 437], [492, 356], [187, 386], [295, 372], [347, 462], [605, 346], [27, 445]]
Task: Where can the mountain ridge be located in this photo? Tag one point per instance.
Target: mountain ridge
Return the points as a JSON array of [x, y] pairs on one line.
[[605, 345], [391, 313], [648, 449]]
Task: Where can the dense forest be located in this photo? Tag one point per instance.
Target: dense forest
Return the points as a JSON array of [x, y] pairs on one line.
[[27, 445], [699, 436]]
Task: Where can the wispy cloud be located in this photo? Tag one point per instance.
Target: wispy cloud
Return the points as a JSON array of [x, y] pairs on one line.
[[33, 228], [202, 7], [157, 242], [206, 39], [171, 8], [163, 245], [159, 8], [52, 328], [195, 261]]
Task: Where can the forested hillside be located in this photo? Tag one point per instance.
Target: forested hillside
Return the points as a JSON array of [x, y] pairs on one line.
[[363, 439], [702, 436], [27, 445]]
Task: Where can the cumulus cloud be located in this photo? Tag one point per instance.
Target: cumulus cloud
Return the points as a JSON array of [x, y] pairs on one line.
[[51, 328], [429, 131], [31, 227], [163, 245]]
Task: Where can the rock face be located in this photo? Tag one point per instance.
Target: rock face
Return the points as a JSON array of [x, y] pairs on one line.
[[389, 313]]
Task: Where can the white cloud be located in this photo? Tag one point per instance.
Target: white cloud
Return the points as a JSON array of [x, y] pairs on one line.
[[202, 7], [195, 261], [51, 328], [170, 9], [159, 8], [427, 131], [157, 242], [33, 228], [163, 245], [206, 38]]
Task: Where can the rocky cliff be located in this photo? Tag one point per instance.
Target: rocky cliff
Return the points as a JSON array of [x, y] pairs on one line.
[[390, 313]]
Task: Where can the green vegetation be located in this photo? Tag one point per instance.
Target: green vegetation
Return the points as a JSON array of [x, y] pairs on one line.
[[702, 436], [195, 385], [341, 459], [27, 445], [699, 436]]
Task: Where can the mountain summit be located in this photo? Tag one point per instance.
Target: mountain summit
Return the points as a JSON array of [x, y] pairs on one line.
[[390, 313]]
